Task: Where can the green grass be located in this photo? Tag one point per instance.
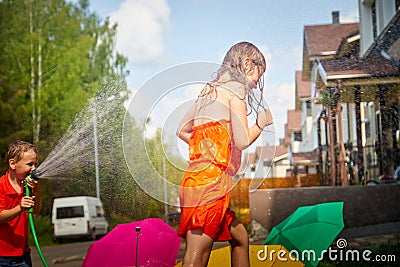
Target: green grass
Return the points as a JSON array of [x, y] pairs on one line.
[[116, 219], [43, 231]]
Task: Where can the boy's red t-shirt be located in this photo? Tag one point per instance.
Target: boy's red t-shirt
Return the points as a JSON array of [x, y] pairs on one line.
[[14, 233]]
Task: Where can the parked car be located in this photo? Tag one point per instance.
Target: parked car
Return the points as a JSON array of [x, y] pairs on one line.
[[75, 217]]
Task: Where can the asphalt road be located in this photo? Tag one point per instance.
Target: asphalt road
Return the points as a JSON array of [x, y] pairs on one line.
[[64, 255], [72, 254]]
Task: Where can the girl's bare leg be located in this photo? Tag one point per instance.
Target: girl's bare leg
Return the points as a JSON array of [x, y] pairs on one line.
[[198, 249], [239, 244]]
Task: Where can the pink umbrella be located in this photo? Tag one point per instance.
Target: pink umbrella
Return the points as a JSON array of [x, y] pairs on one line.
[[158, 246]]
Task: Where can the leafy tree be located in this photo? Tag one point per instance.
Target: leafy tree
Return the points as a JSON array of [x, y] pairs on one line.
[[58, 67], [153, 210], [56, 55]]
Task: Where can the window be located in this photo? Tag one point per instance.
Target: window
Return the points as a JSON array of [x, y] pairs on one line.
[[70, 212], [374, 19], [297, 136], [267, 163], [252, 168], [308, 105]]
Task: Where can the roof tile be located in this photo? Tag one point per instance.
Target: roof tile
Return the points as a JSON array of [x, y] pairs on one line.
[[303, 88], [326, 38], [294, 120]]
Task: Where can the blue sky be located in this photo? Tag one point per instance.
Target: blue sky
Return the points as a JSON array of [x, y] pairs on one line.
[[157, 34]]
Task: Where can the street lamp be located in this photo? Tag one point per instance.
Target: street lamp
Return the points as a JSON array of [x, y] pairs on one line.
[[96, 150], [165, 188]]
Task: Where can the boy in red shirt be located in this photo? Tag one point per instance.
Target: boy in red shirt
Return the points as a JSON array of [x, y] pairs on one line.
[[21, 158]]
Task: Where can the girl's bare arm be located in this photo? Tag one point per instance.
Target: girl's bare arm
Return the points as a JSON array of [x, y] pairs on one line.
[[243, 135], [185, 130]]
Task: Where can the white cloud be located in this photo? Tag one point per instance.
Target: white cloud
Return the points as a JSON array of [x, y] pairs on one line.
[[190, 93], [289, 57], [141, 26], [280, 98], [268, 56], [352, 17], [167, 112]]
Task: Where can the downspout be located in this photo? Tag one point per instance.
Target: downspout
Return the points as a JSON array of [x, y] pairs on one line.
[[332, 153]]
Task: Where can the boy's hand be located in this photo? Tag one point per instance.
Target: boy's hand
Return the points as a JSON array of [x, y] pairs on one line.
[[32, 183], [27, 202]]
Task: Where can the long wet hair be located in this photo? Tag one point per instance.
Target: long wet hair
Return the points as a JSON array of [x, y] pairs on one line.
[[232, 69]]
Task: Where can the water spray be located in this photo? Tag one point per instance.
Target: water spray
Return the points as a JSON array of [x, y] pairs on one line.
[[28, 192]]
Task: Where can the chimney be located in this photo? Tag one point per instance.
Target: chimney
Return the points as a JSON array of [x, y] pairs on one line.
[[335, 17]]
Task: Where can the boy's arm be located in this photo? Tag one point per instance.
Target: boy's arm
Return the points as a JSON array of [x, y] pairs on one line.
[[6, 215], [26, 203]]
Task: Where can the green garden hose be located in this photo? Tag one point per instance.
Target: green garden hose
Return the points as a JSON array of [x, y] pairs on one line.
[[28, 192]]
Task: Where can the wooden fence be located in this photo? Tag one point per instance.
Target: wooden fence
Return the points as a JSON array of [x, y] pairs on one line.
[[239, 201]]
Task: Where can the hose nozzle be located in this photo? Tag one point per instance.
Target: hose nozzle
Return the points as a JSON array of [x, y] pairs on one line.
[[35, 174]]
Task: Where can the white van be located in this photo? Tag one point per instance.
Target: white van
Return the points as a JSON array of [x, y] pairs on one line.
[[81, 216]]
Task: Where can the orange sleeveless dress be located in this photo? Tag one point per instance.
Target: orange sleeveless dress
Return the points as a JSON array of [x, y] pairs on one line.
[[206, 184]]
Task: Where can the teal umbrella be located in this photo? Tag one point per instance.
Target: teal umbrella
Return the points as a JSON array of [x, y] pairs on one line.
[[309, 231]]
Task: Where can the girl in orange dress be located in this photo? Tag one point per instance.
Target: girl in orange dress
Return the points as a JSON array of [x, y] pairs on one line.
[[216, 129]]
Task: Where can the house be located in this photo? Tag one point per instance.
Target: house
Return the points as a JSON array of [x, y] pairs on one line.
[[352, 70], [294, 130], [346, 122], [266, 162]]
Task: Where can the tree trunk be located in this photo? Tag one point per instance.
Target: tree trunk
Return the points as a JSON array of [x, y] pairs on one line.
[[36, 138], [320, 169], [332, 145], [32, 66]]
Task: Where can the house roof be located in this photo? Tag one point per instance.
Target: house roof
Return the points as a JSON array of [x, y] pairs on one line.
[[323, 42], [268, 153], [325, 39], [374, 66], [305, 158], [294, 120], [372, 70], [350, 45], [303, 88]]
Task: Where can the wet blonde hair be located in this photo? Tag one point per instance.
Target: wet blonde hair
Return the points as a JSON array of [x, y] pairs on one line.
[[232, 69], [17, 149]]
